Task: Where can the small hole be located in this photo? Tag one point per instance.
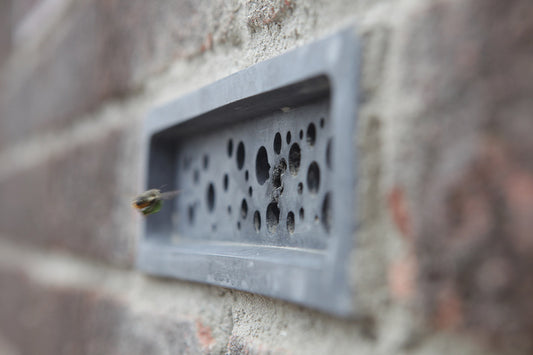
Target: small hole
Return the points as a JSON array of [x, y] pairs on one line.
[[257, 221], [244, 209], [240, 155], [288, 137], [196, 176], [326, 212], [295, 156], [191, 214], [302, 214], [238, 225], [300, 188], [301, 134], [322, 121], [206, 162], [290, 222], [250, 191], [328, 154], [311, 134], [313, 178], [277, 143], [279, 170], [229, 209], [211, 197], [246, 175], [316, 219], [261, 166], [272, 216], [226, 182], [230, 147]]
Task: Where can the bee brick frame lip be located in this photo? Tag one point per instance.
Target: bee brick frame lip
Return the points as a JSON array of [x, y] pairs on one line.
[[318, 279]]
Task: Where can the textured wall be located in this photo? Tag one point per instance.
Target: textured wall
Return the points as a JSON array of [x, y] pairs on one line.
[[445, 247]]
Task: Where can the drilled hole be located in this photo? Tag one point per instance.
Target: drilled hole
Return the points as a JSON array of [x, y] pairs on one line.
[[250, 191], [328, 154], [313, 178], [261, 166], [290, 222], [300, 188], [322, 122], [229, 209], [226, 182], [244, 209], [295, 156], [302, 214], [301, 134], [246, 175], [230, 147], [326, 212], [206, 162], [191, 214], [288, 137], [277, 143], [311, 134], [272, 217], [257, 221], [210, 197], [279, 169], [240, 155]]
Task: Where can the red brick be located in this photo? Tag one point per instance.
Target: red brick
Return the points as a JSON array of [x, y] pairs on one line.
[[469, 63], [39, 319], [100, 49], [68, 202]]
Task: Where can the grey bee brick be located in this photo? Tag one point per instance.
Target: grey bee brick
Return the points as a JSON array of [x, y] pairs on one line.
[[69, 201], [466, 204]]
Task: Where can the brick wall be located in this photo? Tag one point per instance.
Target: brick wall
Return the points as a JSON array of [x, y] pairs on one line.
[[445, 248]]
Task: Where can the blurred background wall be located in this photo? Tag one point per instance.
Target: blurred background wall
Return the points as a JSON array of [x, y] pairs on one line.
[[445, 249]]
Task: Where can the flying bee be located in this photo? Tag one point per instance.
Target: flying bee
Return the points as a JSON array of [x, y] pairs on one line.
[[151, 201]]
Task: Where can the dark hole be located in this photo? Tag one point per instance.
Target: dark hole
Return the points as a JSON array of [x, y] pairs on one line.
[[279, 169], [313, 178], [229, 209], [250, 191], [240, 155], [301, 134], [300, 188], [277, 143], [211, 197], [302, 213], [206, 162], [191, 214], [295, 156], [328, 154], [261, 166], [226, 182], [246, 175], [272, 216], [244, 209], [238, 225], [322, 122], [288, 137], [290, 222], [257, 221], [230, 147], [311, 134], [326, 212]]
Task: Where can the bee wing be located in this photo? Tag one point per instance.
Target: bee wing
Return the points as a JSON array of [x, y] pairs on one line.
[[169, 194]]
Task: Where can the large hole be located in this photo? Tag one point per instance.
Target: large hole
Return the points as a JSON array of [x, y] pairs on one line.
[[313, 178], [240, 155], [295, 156], [261, 166], [230, 147], [257, 221], [272, 216], [277, 143], [244, 209], [210, 197], [326, 212], [328, 154], [290, 222], [279, 169], [311, 134]]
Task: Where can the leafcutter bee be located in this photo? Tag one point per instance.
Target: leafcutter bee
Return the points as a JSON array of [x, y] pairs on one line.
[[151, 201]]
